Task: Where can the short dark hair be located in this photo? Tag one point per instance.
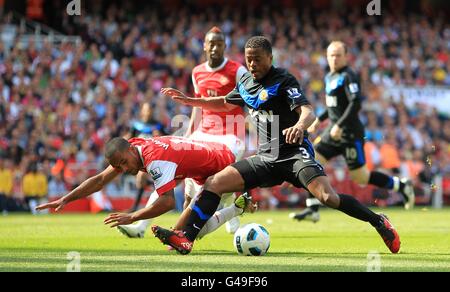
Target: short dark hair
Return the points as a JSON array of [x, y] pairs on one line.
[[215, 30], [257, 42], [116, 144]]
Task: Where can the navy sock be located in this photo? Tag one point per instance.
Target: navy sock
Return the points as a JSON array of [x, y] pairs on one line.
[[355, 209], [387, 182], [202, 210], [315, 208], [381, 180]]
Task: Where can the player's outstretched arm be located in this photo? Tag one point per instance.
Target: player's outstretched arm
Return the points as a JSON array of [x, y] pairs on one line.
[[216, 103], [88, 187], [162, 205], [57, 205]]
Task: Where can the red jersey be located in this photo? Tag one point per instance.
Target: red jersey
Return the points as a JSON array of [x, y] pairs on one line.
[[170, 158], [209, 82]]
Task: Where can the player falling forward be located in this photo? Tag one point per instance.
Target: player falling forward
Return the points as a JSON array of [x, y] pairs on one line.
[[144, 127], [168, 160]]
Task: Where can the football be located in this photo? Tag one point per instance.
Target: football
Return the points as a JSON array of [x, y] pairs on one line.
[[252, 240]]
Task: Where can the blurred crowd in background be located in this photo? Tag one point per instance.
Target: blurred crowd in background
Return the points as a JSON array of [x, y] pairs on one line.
[[60, 103]]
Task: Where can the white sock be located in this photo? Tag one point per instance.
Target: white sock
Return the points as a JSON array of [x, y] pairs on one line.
[[312, 202], [219, 218], [143, 224], [396, 186], [32, 204], [226, 200]]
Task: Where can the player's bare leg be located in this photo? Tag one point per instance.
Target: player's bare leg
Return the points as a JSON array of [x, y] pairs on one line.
[[311, 212]]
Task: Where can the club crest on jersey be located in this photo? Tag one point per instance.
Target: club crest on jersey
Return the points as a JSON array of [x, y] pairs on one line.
[[263, 95], [337, 82], [156, 173], [353, 87]]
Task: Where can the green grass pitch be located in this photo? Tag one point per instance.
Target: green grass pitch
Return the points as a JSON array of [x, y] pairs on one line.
[[336, 243]]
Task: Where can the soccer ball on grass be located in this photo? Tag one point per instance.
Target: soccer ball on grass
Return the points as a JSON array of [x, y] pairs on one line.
[[252, 240]]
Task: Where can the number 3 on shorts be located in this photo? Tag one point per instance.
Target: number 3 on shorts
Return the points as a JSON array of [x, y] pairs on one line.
[[305, 153]]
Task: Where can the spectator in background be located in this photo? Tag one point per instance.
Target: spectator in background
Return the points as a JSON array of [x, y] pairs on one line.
[[372, 154], [6, 184], [146, 126], [390, 157], [57, 186], [124, 59], [34, 187], [15, 151]]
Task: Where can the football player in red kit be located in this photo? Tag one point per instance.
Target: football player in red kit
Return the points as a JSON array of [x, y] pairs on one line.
[[216, 77], [168, 160]]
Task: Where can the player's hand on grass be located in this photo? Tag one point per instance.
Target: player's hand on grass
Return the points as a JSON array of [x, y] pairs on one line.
[[116, 219], [293, 134], [336, 133], [57, 205], [176, 95]]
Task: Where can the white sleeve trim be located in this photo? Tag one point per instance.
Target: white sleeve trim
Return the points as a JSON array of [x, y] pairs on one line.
[[194, 82], [162, 172]]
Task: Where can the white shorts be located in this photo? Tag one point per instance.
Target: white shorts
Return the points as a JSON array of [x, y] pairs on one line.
[[192, 189], [236, 145]]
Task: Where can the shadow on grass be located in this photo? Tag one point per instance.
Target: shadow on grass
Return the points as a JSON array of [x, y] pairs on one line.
[[109, 263], [21, 251], [91, 265]]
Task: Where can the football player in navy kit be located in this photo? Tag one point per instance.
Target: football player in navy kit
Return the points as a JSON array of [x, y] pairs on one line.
[[345, 134], [283, 114]]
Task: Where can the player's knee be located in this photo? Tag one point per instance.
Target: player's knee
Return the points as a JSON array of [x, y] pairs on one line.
[[325, 198], [360, 180], [360, 176], [329, 199]]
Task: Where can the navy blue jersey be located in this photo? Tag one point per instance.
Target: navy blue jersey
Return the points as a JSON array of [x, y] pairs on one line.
[[343, 100], [272, 102], [146, 130]]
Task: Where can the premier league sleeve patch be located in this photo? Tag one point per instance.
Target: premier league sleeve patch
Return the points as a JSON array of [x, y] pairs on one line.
[[353, 87], [294, 93], [156, 173]]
